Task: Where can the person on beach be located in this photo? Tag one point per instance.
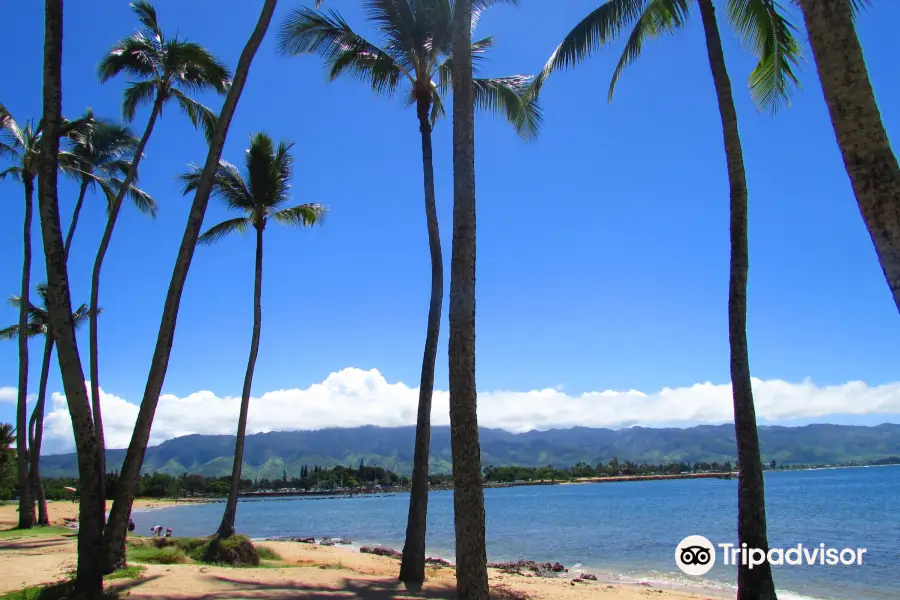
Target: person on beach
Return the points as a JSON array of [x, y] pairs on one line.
[[168, 532], [157, 530], [130, 525]]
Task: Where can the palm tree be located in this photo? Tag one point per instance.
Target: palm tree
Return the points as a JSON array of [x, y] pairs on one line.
[[89, 574], [417, 51], [116, 530], [260, 196], [164, 68], [769, 35], [102, 153], [21, 145], [39, 324], [870, 162], [468, 493]]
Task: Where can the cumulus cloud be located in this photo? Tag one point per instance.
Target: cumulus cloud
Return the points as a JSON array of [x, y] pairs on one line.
[[8, 394], [353, 397]]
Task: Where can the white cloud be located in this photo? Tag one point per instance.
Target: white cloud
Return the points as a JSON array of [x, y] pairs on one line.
[[8, 394], [354, 397]]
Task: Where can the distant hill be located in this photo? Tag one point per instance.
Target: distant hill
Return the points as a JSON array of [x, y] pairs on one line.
[[270, 454]]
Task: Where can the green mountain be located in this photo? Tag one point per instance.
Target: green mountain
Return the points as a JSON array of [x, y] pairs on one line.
[[270, 454]]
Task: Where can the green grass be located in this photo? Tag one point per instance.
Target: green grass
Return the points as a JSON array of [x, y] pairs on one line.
[[266, 553], [53, 591], [14, 534], [170, 555], [129, 572]]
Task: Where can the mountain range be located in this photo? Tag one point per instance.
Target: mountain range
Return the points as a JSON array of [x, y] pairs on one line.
[[269, 455]]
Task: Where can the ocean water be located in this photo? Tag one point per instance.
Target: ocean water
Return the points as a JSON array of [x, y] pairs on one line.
[[619, 531]]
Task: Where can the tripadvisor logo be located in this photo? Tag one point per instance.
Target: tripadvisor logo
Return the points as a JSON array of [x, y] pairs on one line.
[[696, 555]]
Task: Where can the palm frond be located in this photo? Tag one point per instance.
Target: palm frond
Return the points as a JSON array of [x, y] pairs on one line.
[[141, 199], [214, 234], [479, 6], [767, 33], [307, 31], [445, 68], [660, 16], [304, 215], [136, 94], [262, 172], [228, 185], [194, 69], [201, 116], [9, 126], [12, 332], [509, 95], [403, 25], [12, 172], [83, 314], [857, 6], [146, 14], [137, 56], [589, 35]]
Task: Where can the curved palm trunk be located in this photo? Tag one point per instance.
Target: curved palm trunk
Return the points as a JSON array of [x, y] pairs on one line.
[[865, 148], [755, 584], [89, 575], [36, 433], [226, 528], [117, 528], [95, 291], [412, 566], [468, 496], [82, 191], [26, 501]]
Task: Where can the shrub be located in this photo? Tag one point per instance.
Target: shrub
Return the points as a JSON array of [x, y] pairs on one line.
[[167, 555], [236, 551], [266, 553]]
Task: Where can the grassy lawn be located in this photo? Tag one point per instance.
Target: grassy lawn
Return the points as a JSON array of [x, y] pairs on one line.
[[15, 534], [231, 552]]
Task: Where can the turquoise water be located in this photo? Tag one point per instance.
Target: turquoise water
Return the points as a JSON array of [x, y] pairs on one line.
[[619, 531]]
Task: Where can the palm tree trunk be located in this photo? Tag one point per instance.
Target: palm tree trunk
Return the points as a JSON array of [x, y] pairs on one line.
[[468, 496], [89, 575], [82, 191], [26, 502], [226, 528], [36, 431], [865, 148], [117, 528], [95, 291], [412, 566], [755, 584]]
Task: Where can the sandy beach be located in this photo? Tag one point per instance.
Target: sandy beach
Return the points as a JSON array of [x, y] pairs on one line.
[[304, 571]]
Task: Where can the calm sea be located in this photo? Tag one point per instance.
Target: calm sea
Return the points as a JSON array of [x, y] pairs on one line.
[[619, 531]]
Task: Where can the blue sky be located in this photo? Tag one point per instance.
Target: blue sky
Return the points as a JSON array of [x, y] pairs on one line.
[[603, 245]]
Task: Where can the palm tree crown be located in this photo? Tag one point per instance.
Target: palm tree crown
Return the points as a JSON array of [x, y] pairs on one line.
[[165, 69], [39, 317], [102, 153], [760, 24], [261, 195], [416, 49]]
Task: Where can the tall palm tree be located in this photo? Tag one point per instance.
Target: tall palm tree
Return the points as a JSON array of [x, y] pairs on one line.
[[870, 162], [416, 50], [89, 574], [166, 69], [468, 490], [116, 530], [21, 145], [102, 152], [39, 324], [261, 197], [769, 36]]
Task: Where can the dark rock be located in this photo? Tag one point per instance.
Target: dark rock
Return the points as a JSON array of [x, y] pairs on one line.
[[558, 568], [381, 551], [437, 561], [589, 577], [305, 540]]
